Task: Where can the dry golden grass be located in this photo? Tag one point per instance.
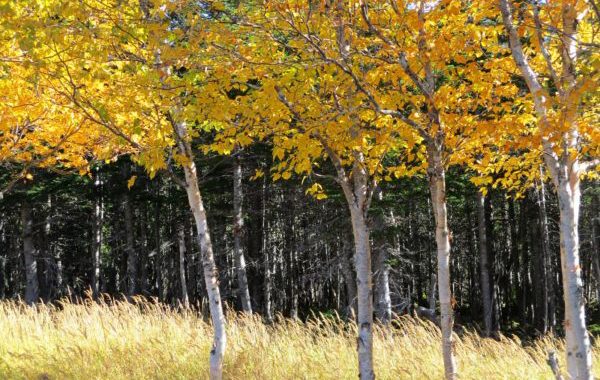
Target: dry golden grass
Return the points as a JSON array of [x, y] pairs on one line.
[[150, 341]]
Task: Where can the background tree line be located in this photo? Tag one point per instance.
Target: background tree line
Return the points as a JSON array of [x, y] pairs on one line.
[[94, 234]]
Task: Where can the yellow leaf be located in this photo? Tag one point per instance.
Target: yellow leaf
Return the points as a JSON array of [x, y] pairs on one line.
[[258, 173], [131, 181]]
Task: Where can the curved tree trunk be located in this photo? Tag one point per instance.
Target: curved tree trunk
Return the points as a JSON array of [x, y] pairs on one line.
[[561, 160], [211, 274], [238, 229], [437, 186]]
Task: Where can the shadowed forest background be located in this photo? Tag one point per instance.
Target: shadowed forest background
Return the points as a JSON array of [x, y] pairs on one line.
[[298, 249]]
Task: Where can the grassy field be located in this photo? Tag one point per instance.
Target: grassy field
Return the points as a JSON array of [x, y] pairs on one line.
[[149, 341]]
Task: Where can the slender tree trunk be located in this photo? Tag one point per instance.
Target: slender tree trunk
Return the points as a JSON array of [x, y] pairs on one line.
[[484, 266], [595, 240], [561, 160], [471, 244], [97, 223], [211, 274], [47, 273], [267, 257], [579, 354], [238, 231], [514, 252], [381, 268], [539, 289], [523, 264], [14, 270], [46, 263], [382, 287], [362, 260], [437, 186], [292, 246], [144, 248], [548, 291], [129, 246], [432, 294], [357, 190], [158, 259], [192, 265], [493, 269], [349, 281], [29, 253], [185, 299], [254, 249], [54, 253], [3, 254]]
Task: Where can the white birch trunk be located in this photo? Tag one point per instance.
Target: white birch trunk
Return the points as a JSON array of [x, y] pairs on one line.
[[563, 166], [238, 228], [579, 353], [548, 291], [268, 281], [362, 261], [211, 276], [97, 237], [209, 266], [185, 299], [356, 191], [381, 268], [437, 186]]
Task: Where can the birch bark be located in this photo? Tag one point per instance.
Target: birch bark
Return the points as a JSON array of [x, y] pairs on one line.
[[211, 275], [238, 228], [564, 168], [437, 187]]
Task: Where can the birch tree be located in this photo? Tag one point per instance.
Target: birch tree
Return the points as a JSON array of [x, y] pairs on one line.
[[559, 82], [380, 70], [119, 77], [316, 124], [437, 54]]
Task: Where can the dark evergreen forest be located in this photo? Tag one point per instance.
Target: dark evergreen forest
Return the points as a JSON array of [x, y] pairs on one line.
[[93, 236]]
